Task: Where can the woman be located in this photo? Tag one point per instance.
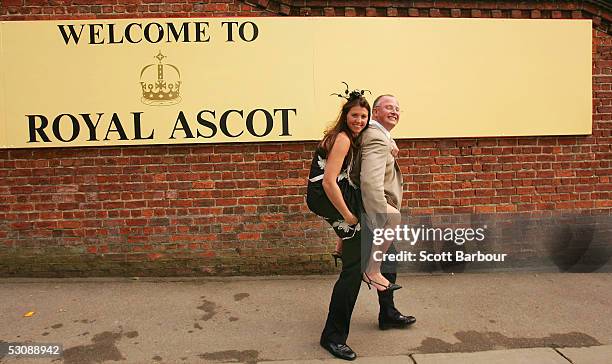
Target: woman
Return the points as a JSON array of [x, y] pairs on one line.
[[331, 193]]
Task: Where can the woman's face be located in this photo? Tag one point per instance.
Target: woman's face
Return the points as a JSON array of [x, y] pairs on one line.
[[356, 119]]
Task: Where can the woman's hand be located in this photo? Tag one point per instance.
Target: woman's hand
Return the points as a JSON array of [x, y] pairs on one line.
[[351, 219]]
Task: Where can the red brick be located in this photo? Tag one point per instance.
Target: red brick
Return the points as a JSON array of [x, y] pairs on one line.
[[577, 14], [350, 11], [329, 11], [505, 208]]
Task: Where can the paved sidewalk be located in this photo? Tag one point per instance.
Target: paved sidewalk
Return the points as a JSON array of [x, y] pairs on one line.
[[586, 355], [464, 318]]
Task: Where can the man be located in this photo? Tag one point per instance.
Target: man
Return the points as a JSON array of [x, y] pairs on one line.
[[381, 185]]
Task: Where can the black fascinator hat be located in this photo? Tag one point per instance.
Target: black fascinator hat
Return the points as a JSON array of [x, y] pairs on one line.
[[351, 95]]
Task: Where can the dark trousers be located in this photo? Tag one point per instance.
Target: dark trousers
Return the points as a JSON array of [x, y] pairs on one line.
[[347, 287]]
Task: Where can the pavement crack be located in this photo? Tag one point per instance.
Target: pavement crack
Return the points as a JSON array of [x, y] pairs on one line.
[[563, 355]]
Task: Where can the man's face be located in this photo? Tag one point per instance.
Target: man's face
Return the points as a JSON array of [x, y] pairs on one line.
[[387, 112]]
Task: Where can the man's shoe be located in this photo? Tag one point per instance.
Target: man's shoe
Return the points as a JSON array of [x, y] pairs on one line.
[[398, 322], [341, 351]]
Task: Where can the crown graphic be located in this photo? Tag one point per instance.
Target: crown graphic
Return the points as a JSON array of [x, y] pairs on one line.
[[163, 88]]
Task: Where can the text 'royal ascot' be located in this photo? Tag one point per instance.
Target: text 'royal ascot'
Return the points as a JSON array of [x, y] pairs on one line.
[[231, 123]]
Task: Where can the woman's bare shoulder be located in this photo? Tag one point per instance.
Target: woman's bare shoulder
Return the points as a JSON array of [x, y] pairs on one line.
[[342, 143], [343, 137]]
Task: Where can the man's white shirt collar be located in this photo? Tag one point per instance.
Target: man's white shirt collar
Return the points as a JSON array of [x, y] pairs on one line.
[[382, 128]]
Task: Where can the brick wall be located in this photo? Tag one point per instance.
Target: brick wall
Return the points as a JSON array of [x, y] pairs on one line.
[[239, 208]]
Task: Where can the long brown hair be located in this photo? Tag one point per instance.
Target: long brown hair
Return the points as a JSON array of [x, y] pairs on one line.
[[341, 125]]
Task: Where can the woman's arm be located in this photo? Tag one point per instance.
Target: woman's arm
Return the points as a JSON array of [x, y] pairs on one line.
[[335, 158]]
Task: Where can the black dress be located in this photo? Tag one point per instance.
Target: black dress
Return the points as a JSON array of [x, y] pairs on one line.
[[319, 203]]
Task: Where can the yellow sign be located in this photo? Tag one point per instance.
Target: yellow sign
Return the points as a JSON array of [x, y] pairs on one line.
[[169, 81]]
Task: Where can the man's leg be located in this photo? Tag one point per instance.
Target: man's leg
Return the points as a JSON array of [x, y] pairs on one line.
[[389, 316]]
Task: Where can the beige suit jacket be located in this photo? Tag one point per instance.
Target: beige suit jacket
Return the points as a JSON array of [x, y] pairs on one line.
[[378, 175]]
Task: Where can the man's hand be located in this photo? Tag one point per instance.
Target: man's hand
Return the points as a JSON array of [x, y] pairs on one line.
[[394, 149]]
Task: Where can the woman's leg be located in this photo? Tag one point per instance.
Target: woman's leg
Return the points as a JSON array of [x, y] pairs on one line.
[[373, 268], [344, 294]]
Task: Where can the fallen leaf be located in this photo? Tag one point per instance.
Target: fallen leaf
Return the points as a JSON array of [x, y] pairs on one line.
[[28, 314]]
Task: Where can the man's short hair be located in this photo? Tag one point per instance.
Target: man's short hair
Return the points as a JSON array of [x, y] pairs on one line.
[[380, 97]]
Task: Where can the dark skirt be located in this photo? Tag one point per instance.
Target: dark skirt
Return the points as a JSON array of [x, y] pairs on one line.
[[317, 200]]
